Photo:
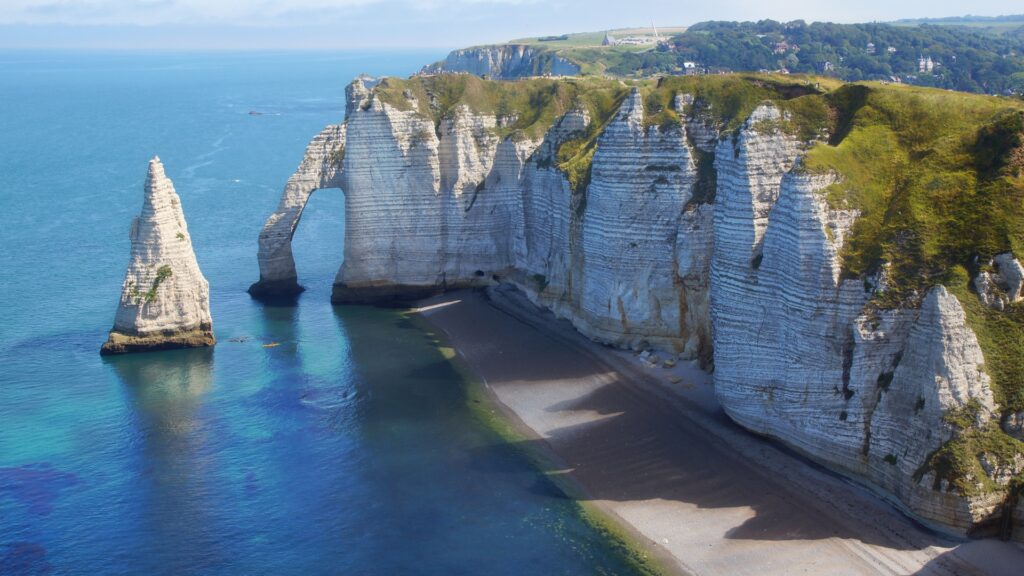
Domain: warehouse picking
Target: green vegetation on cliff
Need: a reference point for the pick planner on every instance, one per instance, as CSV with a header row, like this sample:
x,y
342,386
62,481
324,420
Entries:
x,y
929,171
525,108
528,107
162,273
1001,336
935,175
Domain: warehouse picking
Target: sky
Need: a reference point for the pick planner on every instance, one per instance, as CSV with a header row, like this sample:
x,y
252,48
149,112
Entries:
x,y
404,24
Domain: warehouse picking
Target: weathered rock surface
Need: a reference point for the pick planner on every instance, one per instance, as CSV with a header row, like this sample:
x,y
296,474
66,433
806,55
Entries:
x,y
320,168
1003,285
940,371
504,62
165,300
746,275
800,357
641,178
419,213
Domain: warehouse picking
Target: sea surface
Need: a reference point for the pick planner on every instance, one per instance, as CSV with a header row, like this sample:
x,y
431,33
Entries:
x,y
313,439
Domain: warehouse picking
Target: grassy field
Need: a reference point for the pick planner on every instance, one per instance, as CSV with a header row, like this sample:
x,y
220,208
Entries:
x,y
585,39
1005,25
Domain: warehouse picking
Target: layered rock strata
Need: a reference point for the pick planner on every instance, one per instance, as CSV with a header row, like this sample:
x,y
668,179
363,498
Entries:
x,y
320,168
504,62
165,300
438,206
742,270
642,177
800,357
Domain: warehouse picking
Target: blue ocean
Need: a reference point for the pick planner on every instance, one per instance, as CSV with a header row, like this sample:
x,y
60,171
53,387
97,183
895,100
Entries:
x,y
313,439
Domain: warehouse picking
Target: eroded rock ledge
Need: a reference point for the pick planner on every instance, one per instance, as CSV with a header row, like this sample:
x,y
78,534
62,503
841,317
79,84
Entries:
x,y
659,217
165,300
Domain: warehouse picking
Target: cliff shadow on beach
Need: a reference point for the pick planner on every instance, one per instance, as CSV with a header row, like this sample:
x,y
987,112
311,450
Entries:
x,y
614,439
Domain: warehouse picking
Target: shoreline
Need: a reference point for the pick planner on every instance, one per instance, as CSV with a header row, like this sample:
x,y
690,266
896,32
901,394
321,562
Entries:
x,y
699,495
628,542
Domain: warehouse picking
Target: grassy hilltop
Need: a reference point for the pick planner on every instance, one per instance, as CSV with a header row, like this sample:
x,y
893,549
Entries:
x,y
968,54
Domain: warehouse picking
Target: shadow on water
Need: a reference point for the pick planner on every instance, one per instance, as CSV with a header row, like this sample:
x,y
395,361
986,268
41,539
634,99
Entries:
x,y
279,330
172,460
424,387
278,300
24,558
470,486
398,364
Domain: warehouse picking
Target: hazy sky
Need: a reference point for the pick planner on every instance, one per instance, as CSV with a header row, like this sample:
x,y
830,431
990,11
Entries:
x,y
303,24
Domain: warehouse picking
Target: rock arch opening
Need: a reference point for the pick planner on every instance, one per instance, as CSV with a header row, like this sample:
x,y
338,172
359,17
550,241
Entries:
x,y
321,168
319,239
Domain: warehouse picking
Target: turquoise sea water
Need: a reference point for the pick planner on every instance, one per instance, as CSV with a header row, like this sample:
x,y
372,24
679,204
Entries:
x,y
345,449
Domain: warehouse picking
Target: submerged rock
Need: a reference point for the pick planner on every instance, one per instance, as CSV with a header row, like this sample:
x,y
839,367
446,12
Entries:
x,y
165,300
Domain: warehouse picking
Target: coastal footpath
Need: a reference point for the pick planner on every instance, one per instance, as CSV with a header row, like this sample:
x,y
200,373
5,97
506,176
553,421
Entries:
x,y
843,257
165,300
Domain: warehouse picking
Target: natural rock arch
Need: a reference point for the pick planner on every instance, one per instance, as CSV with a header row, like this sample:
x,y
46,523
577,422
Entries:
x,y
321,168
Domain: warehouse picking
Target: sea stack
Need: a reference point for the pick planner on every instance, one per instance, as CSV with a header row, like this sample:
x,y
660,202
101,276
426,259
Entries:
x,y
165,300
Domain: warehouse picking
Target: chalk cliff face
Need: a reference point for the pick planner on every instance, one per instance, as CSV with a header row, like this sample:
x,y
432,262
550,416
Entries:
x,y
642,177
799,357
718,246
504,62
319,169
419,214
165,300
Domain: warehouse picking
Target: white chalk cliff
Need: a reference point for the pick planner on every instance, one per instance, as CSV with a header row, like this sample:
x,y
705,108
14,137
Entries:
x,y
319,169
165,300
641,257
504,62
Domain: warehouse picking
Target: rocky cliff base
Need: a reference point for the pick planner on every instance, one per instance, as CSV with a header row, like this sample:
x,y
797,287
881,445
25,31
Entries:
x,y
119,343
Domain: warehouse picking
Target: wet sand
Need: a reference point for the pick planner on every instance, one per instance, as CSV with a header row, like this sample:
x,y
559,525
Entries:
x,y
651,447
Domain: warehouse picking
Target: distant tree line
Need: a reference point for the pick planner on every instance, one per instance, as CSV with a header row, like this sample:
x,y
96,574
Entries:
x,y
961,58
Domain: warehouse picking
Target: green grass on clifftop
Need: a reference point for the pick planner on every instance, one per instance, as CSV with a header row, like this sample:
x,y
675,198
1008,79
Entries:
x,y
936,176
532,104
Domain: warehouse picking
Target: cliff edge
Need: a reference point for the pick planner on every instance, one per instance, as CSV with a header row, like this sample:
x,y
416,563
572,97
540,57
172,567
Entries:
x,y
504,62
